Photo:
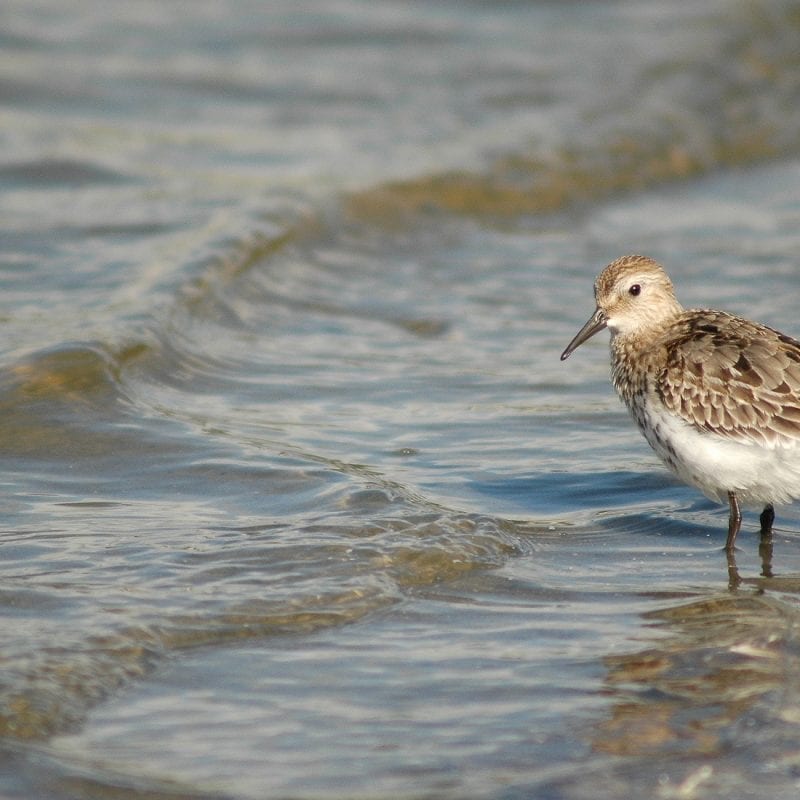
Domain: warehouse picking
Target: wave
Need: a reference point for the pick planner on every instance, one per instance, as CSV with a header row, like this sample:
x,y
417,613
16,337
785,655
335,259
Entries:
x,y
732,101
197,450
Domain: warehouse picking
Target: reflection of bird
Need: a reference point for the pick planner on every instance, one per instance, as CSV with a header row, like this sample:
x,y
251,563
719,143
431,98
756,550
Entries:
x,y
716,396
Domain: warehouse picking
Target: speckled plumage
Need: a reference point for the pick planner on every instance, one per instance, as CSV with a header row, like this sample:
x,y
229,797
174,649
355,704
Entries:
x,y
716,396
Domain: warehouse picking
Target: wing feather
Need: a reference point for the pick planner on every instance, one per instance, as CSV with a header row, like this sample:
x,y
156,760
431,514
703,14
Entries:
x,y
736,378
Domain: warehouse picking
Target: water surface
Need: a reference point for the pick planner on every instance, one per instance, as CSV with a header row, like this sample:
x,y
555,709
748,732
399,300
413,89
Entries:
x,y
299,499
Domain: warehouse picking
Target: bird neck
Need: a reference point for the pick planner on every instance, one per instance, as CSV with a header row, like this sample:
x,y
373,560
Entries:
x,y
635,356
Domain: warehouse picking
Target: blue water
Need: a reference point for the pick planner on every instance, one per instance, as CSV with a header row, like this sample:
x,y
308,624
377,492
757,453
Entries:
x,y
299,500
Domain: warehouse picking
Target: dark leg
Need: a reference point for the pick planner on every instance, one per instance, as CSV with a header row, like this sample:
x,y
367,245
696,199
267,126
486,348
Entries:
x,y
765,544
734,581
765,551
767,518
734,522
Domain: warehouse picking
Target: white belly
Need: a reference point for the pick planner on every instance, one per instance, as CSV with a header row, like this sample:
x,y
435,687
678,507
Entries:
x,y
717,464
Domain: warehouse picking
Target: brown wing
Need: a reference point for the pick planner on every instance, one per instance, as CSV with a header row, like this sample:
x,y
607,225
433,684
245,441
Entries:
x,y
733,377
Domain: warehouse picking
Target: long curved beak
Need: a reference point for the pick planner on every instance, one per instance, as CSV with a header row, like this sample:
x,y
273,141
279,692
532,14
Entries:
x,y
595,324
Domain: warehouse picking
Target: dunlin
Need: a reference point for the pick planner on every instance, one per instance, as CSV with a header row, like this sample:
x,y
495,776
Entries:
x,y
716,396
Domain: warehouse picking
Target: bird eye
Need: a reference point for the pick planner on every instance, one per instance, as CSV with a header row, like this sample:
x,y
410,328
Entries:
x,y
635,290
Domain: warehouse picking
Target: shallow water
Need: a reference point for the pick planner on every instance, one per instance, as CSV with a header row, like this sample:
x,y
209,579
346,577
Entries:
x,y
299,499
